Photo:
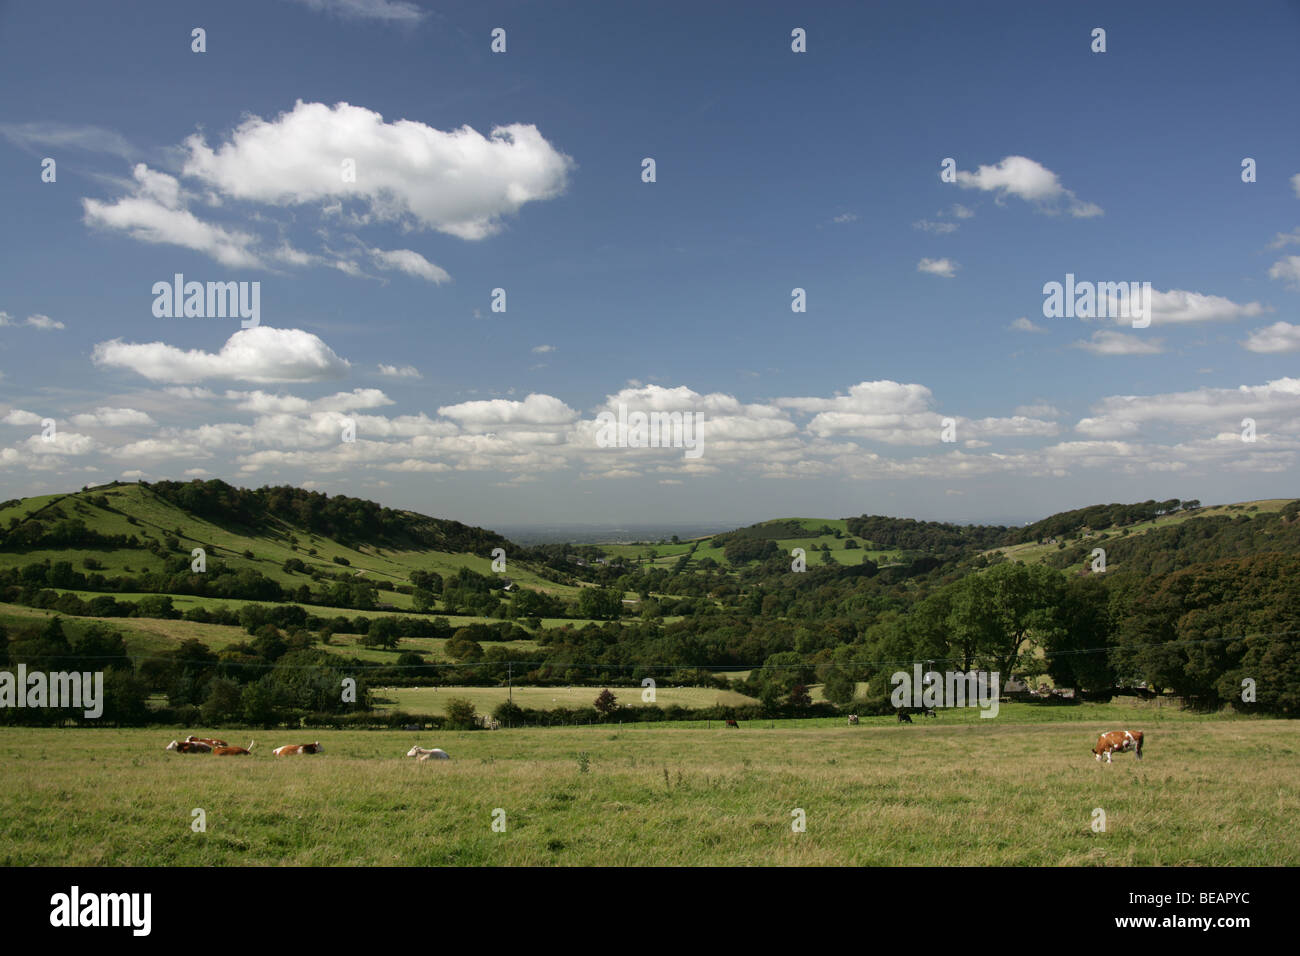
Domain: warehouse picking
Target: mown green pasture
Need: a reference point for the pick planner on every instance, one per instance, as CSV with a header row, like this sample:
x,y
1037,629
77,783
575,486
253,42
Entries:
x,y
1220,792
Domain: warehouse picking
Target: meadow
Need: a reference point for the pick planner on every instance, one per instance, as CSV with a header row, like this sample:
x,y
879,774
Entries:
x,y
433,700
1211,791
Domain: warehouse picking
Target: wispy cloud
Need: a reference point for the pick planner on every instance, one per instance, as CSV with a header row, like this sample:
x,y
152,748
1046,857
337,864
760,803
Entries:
x,y
1117,343
37,321
1023,324
42,135
412,263
398,11
392,371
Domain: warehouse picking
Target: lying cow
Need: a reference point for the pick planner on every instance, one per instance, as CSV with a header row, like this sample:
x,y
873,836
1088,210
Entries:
x,y
905,713
432,754
210,741
1118,741
289,750
853,720
189,747
234,751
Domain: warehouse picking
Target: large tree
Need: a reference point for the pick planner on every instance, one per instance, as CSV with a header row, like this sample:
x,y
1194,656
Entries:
x,y
1078,650
998,611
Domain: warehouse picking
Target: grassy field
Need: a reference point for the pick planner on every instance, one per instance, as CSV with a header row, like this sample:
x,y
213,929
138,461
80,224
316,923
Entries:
x,y
146,636
433,700
1210,792
667,555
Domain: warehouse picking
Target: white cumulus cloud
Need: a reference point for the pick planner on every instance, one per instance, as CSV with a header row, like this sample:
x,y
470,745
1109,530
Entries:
x,y
1026,179
1278,337
155,213
459,182
938,267
260,354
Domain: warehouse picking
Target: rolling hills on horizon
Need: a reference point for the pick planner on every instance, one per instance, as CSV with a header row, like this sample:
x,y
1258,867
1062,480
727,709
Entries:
x,y
282,510
204,579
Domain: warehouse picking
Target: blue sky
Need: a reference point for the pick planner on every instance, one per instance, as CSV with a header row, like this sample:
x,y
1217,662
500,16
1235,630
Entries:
x,y
775,170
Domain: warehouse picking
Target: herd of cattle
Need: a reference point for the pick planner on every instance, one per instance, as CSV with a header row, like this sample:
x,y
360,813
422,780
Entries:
x,y
219,748
1108,744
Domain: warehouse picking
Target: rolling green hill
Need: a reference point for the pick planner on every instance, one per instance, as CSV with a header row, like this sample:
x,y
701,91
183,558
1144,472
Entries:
x,y
241,537
1061,548
345,582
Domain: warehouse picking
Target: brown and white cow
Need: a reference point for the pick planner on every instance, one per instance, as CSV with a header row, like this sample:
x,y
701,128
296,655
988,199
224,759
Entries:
x,y
234,751
1118,741
291,749
188,747
210,741
853,720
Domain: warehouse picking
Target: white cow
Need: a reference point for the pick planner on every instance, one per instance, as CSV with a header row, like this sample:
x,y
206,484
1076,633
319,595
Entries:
x,y
422,754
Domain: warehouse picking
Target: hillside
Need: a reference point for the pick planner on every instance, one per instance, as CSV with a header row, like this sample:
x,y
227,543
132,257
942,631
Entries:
x,y
294,582
1164,541
140,528
1060,540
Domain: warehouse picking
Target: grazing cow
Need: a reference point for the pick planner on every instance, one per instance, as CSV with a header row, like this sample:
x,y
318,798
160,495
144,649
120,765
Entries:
x,y
1118,741
431,754
732,723
234,751
903,716
210,741
290,749
188,747
853,720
